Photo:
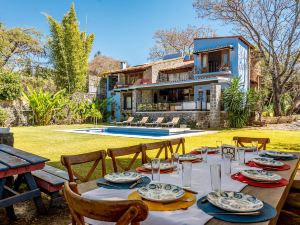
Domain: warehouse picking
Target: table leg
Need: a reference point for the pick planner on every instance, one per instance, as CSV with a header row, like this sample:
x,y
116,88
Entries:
x,y
10,209
32,186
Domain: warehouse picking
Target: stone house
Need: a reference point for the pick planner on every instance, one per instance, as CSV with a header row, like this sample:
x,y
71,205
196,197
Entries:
x,y
189,87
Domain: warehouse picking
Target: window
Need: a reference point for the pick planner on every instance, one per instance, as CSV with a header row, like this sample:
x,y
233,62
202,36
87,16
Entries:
x,y
225,58
127,101
207,96
204,60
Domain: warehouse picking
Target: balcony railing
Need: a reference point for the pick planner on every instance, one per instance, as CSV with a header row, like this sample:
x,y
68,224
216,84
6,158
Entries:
x,y
178,106
174,78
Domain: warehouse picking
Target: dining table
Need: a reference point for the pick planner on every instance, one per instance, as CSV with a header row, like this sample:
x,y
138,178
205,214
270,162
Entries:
x,y
16,167
201,183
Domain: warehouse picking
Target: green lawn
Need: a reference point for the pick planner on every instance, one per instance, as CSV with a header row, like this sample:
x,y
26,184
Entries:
x,y
48,142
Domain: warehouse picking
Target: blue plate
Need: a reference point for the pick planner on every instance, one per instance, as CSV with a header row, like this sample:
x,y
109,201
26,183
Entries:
x,y
278,158
146,180
267,212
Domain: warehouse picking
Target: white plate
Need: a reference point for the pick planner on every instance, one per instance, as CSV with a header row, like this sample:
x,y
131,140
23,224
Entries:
x,y
235,201
261,175
187,157
209,149
163,166
267,162
124,177
160,192
279,154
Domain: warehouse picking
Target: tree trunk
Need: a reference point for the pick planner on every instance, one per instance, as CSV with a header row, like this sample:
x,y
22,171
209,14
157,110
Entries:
x,y
276,96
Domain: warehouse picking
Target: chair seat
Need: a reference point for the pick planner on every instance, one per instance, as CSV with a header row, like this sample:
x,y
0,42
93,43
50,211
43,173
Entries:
x,y
293,200
87,186
296,183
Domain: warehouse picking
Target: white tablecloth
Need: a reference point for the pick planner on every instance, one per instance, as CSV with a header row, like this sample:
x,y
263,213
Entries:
x,y
200,183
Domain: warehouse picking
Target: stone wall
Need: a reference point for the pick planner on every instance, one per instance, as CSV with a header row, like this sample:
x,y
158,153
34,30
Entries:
x,y
193,119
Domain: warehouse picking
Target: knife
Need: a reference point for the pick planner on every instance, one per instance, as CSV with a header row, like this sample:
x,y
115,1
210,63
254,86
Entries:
x,y
189,190
106,184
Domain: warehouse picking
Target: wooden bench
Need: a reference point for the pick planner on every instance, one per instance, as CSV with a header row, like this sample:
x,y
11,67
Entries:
x,y
51,180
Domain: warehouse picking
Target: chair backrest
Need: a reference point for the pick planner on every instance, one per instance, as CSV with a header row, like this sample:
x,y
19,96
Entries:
x,y
262,142
144,119
115,152
70,160
175,145
122,212
130,119
160,147
160,120
175,120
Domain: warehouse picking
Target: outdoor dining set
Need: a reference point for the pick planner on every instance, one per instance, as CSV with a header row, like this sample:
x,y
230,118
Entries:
x,y
227,183
160,183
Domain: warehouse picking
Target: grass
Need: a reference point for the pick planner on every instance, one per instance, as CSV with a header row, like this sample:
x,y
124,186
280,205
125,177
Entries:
x,y
48,142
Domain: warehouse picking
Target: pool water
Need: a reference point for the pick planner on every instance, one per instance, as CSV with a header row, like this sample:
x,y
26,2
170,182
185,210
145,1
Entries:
x,y
141,132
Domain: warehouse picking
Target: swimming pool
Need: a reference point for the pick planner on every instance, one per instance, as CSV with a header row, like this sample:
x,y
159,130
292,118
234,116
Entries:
x,y
140,132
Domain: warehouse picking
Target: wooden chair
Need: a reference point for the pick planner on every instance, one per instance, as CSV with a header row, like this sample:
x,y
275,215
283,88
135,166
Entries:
x,y
122,212
161,146
262,142
70,160
135,150
174,145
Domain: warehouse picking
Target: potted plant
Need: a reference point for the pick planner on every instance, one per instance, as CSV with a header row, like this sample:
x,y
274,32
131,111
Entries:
x,y
3,120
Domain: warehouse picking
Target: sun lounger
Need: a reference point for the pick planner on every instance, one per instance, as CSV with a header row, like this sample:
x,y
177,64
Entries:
x,y
143,121
157,123
174,122
126,122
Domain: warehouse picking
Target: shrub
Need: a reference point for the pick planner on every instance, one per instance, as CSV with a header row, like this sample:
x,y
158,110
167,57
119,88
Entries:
x,y
238,103
44,105
10,85
3,117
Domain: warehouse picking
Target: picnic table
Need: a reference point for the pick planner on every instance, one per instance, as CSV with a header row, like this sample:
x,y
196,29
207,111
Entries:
x,y
201,183
17,163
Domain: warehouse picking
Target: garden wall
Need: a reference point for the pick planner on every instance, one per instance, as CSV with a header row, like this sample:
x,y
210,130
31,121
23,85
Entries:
x,y
280,119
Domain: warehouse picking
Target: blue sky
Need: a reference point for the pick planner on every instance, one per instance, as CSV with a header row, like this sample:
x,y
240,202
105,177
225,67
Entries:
x,y
123,28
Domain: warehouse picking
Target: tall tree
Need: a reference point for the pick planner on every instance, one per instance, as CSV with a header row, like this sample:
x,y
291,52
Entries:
x,y
274,27
175,40
18,46
69,52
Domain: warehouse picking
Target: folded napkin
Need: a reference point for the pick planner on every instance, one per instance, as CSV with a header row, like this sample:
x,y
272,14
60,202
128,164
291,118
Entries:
x,y
243,179
142,169
279,158
269,168
146,180
266,213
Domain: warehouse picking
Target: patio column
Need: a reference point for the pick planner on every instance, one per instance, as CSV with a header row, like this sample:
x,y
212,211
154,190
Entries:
x,y
136,99
215,106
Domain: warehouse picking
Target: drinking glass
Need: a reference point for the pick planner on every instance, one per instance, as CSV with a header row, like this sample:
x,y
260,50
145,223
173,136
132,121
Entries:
x,y
241,155
215,176
227,164
187,174
219,144
255,145
155,166
175,162
203,152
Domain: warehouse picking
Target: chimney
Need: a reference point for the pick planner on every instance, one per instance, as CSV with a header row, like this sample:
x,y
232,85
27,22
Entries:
x,y
123,65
